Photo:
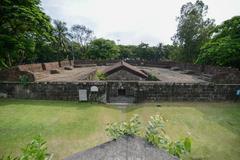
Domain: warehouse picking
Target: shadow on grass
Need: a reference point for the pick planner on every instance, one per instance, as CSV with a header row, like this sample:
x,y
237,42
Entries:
x,y
227,115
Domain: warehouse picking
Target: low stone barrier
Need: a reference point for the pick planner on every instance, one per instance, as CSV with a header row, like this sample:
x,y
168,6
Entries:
x,y
37,67
140,91
51,65
14,74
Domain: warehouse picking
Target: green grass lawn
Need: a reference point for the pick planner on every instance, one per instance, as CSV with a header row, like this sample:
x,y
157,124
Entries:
x,y
70,127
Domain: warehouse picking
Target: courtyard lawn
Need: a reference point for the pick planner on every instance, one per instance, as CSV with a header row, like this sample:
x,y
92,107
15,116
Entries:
x,y
70,127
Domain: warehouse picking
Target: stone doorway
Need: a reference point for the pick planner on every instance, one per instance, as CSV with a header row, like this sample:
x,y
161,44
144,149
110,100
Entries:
x,y
121,92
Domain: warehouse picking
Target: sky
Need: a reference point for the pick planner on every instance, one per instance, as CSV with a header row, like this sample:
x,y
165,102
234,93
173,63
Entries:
x,y
133,21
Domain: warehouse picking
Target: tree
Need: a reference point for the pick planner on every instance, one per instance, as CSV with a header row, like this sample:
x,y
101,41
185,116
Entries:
x,y
159,52
193,30
21,23
224,47
82,35
61,37
126,51
103,49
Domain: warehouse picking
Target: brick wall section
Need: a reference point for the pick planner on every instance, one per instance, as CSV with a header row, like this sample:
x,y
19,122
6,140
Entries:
x,y
141,91
65,63
51,65
14,73
31,67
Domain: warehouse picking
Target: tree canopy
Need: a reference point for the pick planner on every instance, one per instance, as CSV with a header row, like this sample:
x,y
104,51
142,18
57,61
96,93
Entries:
x,y
223,48
192,31
103,49
21,24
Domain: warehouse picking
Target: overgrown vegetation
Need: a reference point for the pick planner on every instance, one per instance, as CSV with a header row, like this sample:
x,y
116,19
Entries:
x,y
118,129
100,75
223,48
154,133
35,150
23,79
151,77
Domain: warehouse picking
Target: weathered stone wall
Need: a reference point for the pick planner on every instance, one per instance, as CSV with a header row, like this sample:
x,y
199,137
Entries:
x,y
51,65
37,67
141,91
14,74
225,74
186,92
52,91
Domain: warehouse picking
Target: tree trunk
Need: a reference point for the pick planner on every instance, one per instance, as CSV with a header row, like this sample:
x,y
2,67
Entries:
x,y
9,60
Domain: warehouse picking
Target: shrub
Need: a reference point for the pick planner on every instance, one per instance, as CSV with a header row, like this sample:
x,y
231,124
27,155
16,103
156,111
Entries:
x,y
100,75
23,79
154,134
35,150
152,78
118,129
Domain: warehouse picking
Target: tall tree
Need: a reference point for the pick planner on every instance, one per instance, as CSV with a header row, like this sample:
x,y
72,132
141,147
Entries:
x,y
61,38
82,35
224,47
193,30
103,49
21,24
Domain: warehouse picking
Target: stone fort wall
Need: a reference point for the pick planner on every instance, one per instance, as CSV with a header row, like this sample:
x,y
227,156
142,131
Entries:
x,y
140,91
215,73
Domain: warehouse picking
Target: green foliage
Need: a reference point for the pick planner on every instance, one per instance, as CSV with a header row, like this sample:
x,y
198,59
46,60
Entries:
x,y
192,31
9,157
118,129
224,47
23,79
100,75
180,147
154,134
36,150
151,77
61,37
22,23
103,49
82,35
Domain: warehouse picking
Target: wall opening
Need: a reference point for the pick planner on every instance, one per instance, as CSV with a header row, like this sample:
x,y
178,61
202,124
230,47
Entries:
x,y
121,92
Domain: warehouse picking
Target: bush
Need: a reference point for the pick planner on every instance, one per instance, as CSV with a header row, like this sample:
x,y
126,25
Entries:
x,y
23,79
154,134
36,150
101,76
152,78
118,129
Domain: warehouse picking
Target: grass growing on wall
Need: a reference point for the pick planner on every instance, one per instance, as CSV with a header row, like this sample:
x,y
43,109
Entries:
x,y
70,127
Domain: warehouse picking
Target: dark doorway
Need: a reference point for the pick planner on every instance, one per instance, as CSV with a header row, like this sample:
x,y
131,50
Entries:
x,y
121,92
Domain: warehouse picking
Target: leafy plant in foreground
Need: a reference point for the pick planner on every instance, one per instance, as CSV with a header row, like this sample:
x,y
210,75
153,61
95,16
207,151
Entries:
x,y
118,129
35,150
154,134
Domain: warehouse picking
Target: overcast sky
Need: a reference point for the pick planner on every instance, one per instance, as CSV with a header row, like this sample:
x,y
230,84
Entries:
x,y
133,21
